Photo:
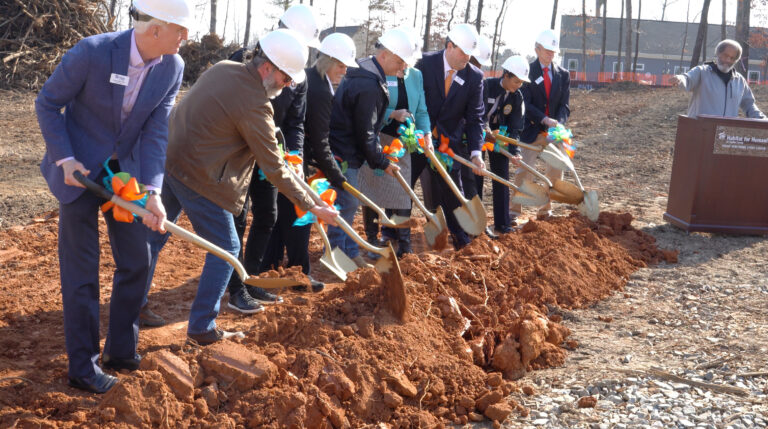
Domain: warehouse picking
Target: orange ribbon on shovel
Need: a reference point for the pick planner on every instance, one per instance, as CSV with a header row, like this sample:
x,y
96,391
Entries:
x,y
128,191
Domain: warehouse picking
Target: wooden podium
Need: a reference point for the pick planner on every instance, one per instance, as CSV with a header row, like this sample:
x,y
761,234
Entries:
x,y
720,176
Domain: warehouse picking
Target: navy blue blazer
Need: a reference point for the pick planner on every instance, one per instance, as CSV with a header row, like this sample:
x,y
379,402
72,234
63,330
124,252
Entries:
x,y
78,110
536,99
461,112
509,113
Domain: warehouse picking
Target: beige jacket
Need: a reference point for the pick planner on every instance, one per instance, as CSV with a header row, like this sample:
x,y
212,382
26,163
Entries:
x,y
219,130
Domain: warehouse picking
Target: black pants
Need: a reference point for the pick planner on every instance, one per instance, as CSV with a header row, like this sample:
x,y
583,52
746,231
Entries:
x,y
500,166
441,191
287,238
262,200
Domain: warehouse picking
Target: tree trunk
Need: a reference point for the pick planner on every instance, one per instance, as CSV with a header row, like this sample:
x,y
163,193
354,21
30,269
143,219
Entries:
x,y
742,34
501,32
628,56
605,32
621,38
637,35
247,24
226,20
335,9
685,34
700,35
584,38
496,35
212,28
415,12
427,23
723,34
469,7
112,7
479,22
453,9
554,15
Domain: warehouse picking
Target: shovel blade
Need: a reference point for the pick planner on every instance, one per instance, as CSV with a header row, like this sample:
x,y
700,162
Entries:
x,y
396,221
553,159
566,192
328,262
590,207
436,230
393,283
471,216
344,262
539,195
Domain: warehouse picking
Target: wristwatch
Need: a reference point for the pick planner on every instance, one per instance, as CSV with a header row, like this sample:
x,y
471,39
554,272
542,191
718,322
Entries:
x,y
153,192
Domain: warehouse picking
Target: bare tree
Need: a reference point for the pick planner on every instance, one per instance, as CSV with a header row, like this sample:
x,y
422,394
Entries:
x,y
212,28
685,34
621,38
453,9
496,35
469,7
664,7
335,9
584,38
637,35
112,7
701,35
605,32
723,36
247,23
742,34
427,22
226,20
498,45
479,22
628,56
554,15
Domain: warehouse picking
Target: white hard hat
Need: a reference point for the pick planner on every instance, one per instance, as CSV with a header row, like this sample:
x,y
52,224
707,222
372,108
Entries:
x,y
286,49
400,42
464,36
483,51
301,19
548,40
175,11
341,47
518,66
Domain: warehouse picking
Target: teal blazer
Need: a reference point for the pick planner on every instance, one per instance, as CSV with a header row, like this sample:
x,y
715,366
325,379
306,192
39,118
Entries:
x,y
414,88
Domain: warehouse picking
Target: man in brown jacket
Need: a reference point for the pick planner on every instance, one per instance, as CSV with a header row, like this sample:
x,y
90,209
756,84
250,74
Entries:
x,y
216,133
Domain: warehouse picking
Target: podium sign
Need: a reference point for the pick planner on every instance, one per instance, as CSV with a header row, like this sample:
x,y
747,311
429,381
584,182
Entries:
x,y
719,177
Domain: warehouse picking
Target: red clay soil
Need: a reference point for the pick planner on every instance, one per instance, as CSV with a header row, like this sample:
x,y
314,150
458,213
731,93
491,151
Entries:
x,y
478,319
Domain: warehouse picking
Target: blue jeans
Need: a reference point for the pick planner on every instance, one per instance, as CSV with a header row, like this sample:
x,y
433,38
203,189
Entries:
x,y
212,223
348,207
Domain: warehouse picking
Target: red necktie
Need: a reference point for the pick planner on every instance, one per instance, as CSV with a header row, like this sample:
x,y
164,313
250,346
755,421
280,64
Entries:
x,y
547,87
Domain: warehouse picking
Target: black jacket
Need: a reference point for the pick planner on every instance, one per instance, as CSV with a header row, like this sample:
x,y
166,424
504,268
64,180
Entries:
x,y
317,151
509,112
356,115
536,99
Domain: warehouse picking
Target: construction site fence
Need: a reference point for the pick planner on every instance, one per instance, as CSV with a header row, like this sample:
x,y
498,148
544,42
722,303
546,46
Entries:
x,y
581,79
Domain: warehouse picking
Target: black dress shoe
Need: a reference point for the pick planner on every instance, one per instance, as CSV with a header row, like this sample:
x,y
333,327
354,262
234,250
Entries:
x,y
207,338
506,229
489,232
263,296
150,319
315,285
121,363
99,383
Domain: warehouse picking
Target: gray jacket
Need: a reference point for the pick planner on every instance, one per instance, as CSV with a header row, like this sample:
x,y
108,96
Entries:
x,y
712,97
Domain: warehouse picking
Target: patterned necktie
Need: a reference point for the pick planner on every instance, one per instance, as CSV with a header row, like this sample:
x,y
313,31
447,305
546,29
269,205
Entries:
x,y
547,86
448,81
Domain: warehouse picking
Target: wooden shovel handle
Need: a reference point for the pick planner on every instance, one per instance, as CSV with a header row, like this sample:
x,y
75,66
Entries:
x,y
413,196
439,167
510,140
490,174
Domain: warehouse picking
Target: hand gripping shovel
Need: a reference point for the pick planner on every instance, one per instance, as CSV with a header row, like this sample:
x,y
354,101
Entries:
x,y
386,265
266,283
471,214
335,260
435,230
395,222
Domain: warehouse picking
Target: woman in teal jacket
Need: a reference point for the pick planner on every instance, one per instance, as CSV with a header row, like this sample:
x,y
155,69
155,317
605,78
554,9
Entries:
x,y
406,100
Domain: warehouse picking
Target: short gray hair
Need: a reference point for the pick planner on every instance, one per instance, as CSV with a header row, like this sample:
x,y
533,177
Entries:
x,y
141,27
728,43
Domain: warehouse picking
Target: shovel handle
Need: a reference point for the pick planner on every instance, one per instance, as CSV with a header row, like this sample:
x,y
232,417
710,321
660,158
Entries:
x,y
169,226
446,177
368,202
530,169
413,196
515,142
490,174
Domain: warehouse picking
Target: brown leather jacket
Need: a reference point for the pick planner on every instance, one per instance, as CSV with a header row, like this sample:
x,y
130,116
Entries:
x,y
219,129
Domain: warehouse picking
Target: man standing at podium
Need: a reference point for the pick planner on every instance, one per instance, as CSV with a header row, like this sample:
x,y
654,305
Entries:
x,y
716,86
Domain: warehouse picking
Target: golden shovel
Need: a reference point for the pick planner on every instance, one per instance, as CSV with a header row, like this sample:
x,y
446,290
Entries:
x,y
335,260
395,222
436,229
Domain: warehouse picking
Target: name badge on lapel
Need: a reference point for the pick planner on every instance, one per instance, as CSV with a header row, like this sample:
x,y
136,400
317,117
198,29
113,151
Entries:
x,y
458,80
491,100
540,80
391,83
118,79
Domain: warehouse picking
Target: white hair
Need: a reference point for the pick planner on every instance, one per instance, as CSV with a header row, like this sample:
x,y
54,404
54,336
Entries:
x,y
728,43
141,27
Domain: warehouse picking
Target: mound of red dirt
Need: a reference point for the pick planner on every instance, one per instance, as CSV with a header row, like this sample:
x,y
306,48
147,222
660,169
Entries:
x,y
478,319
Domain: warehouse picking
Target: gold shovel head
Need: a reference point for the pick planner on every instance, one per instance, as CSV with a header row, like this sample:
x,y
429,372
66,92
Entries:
x,y
344,262
553,158
590,207
566,192
537,195
471,216
396,221
392,279
329,262
436,231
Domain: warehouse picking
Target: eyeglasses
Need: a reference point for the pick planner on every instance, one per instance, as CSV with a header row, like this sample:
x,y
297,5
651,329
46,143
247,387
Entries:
x,y
287,80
